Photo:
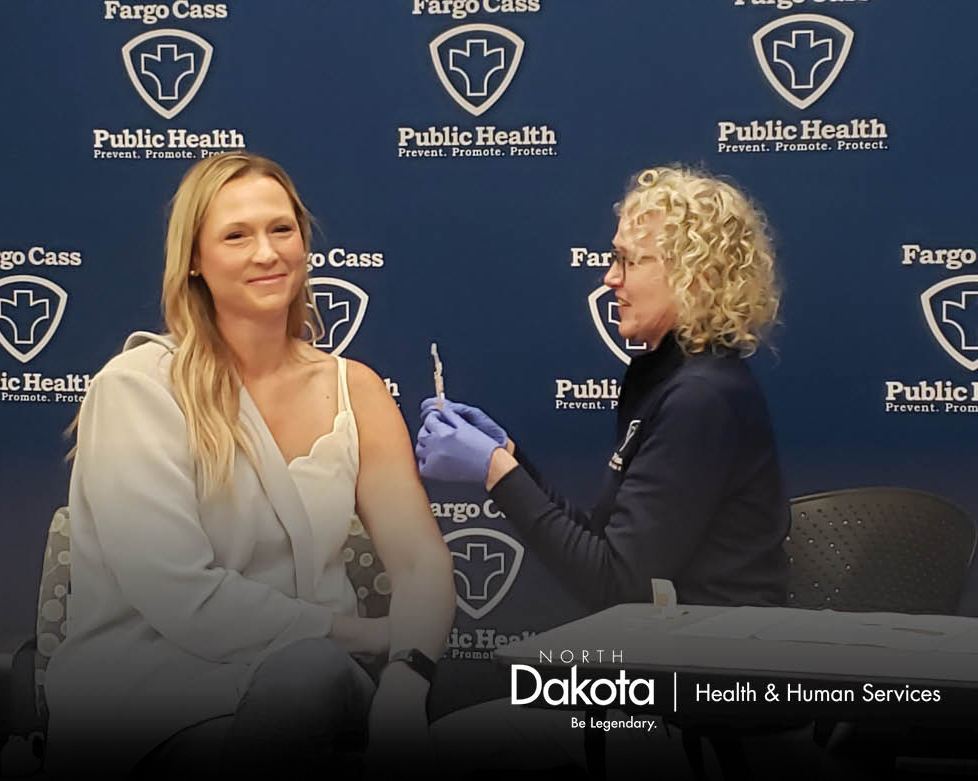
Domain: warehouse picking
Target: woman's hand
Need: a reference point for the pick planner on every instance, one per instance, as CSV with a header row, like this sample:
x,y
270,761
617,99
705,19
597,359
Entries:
x,y
362,635
469,414
450,448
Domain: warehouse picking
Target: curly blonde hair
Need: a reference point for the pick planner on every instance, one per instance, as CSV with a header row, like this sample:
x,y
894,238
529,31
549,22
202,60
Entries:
x,y
717,253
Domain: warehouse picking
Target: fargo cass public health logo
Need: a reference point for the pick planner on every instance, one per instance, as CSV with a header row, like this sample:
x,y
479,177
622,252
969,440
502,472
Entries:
x,y
167,68
486,565
342,306
604,310
951,311
801,56
31,309
476,63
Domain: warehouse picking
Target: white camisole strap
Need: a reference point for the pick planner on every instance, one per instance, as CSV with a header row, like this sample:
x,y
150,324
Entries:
x,y
344,391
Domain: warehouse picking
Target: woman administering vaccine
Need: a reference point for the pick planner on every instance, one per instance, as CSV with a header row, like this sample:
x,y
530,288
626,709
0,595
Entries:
x,y
693,492
218,470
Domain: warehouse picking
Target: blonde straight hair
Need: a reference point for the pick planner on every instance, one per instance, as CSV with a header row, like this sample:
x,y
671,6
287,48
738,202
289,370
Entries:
x,y
205,379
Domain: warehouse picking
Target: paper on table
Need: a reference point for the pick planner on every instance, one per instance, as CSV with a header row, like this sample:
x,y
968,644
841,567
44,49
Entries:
x,y
888,630
885,630
963,643
648,614
739,623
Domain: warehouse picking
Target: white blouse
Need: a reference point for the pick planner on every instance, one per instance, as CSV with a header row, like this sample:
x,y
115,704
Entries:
x,y
176,598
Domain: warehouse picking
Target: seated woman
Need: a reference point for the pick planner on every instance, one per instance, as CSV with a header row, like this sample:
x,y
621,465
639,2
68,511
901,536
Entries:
x,y
693,492
217,473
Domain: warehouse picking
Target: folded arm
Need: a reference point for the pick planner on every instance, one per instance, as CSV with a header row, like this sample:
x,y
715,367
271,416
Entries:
x,y
135,475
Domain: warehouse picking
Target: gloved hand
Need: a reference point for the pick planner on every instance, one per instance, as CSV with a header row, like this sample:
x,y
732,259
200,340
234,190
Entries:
x,y
450,448
472,415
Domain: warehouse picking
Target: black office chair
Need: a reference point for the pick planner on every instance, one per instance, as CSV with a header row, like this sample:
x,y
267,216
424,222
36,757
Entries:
x,y
864,549
878,549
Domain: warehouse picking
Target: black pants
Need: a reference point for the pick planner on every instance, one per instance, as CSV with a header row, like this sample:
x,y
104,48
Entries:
x,y
304,715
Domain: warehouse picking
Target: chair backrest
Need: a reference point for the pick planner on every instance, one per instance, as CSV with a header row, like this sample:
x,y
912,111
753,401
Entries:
x,y
366,572
52,601
878,549
363,566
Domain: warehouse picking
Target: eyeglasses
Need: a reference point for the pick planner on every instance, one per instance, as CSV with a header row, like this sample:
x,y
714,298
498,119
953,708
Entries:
x,y
625,262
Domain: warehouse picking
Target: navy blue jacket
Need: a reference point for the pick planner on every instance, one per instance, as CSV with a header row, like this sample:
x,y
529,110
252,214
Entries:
x,y
693,493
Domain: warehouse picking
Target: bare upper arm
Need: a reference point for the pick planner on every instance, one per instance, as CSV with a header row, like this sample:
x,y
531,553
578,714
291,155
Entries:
x,y
390,498
382,431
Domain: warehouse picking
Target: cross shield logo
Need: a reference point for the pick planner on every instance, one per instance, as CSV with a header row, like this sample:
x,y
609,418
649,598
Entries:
x,y
31,309
476,63
486,565
167,68
951,312
341,305
802,55
604,313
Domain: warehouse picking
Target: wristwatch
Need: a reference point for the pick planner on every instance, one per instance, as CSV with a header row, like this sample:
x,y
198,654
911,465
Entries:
x,y
417,661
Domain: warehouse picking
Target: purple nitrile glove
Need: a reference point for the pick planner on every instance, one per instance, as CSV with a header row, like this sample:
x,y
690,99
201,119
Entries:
x,y
449,448
472,415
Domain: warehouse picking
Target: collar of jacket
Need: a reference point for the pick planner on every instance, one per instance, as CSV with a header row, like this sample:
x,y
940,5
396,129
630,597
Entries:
x,y
644,373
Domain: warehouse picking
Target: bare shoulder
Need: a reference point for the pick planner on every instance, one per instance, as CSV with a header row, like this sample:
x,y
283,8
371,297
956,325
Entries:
x,y
317,363
372,403
365,384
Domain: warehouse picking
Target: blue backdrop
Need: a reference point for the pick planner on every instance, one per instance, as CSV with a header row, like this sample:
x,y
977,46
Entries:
x,y
462,158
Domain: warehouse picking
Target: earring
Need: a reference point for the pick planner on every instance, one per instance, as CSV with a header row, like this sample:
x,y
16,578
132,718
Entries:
x,y
194,272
